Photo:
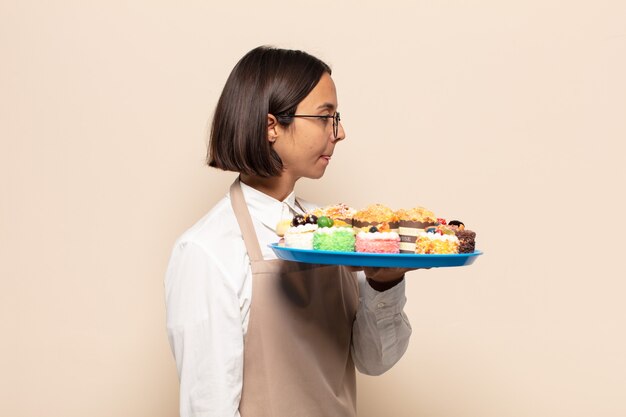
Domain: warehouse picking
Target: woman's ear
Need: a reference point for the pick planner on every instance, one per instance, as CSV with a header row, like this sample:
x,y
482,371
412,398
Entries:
x,y
272,128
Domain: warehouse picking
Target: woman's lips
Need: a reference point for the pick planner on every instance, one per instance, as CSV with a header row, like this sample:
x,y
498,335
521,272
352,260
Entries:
x,y
326,157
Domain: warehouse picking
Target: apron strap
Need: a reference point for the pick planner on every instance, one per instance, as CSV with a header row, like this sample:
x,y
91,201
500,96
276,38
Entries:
x,y
245,222
300,206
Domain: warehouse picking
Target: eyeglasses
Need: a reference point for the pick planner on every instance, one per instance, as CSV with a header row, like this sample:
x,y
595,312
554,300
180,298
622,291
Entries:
x,y
336,119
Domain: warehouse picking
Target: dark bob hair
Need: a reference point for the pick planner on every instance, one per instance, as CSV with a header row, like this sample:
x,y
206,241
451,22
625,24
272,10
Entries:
x,y
265,81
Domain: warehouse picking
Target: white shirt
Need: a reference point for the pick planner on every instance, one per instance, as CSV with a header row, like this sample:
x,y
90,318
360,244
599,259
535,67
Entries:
x,y
208,288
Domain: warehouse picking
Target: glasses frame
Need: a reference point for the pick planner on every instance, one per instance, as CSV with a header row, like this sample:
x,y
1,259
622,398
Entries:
x,y
336,119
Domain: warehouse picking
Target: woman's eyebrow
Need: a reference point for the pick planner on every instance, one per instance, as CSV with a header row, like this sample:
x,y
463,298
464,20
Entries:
x,y
328,106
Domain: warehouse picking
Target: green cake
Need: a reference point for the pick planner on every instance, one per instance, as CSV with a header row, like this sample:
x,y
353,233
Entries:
x,y
336,239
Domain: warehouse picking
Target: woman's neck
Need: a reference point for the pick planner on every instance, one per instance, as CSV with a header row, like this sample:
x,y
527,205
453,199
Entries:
x,y
276,187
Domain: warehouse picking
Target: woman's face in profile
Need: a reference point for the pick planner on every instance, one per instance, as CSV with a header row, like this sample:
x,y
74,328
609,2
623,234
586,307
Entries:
x,y
306,146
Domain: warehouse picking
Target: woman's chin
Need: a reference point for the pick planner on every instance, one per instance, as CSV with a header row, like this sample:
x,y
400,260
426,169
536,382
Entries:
x,y
316,174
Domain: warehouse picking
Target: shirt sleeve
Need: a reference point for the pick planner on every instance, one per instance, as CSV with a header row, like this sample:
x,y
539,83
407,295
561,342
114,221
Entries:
x,y
205,333
381,330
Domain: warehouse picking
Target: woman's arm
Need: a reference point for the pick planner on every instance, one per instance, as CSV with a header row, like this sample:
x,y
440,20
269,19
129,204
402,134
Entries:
x,y
205,333
381,330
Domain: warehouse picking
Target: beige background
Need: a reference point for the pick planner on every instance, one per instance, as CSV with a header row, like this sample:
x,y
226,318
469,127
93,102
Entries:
x,y
508,115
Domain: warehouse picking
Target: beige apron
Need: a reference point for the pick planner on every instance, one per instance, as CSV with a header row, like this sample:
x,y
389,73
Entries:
x,y
297,360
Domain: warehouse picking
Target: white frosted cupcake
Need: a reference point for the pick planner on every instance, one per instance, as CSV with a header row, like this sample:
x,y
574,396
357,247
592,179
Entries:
x,y
301,236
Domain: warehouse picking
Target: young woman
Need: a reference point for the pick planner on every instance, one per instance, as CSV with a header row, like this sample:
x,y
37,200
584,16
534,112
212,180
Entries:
x,y
253,335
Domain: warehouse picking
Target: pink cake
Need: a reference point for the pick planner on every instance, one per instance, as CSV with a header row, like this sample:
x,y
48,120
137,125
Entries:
x,y
378,242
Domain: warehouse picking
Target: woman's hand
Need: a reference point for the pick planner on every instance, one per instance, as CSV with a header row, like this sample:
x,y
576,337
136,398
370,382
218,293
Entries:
x,y
385,274
382,279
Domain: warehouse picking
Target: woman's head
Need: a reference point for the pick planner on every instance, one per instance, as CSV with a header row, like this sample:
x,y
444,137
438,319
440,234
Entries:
x,y
253,132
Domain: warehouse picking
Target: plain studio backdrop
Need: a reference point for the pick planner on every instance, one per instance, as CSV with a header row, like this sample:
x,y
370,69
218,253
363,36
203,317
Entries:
x,y
508,115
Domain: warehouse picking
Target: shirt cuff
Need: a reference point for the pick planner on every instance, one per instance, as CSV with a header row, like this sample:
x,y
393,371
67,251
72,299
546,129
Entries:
x,y
387,303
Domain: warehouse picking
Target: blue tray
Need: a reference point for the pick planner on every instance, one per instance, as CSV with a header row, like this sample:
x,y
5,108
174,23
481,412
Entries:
x,y
388,260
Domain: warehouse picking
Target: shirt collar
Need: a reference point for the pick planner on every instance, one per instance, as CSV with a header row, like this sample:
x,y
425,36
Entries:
x,y
267,209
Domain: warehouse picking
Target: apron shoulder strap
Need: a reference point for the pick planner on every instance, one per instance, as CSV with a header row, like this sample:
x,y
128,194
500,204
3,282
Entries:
x,y
300,206
245,222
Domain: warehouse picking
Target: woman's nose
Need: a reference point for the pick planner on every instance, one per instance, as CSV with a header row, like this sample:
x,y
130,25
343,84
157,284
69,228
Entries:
x,y
341,134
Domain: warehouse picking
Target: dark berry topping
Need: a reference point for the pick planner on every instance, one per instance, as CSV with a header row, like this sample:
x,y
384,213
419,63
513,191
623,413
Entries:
x,y
311,218
298,220
373,229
